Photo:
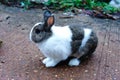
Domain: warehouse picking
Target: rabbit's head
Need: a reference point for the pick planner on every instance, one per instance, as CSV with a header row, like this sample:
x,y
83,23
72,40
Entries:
x,y
42,30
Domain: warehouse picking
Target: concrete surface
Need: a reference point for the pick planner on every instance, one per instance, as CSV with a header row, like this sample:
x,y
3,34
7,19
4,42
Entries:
x,y
21,60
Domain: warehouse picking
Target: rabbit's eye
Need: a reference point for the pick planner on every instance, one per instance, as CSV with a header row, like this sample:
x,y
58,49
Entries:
x,y
37,31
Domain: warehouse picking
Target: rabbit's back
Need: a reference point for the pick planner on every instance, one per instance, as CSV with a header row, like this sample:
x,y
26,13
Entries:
x,y
84,41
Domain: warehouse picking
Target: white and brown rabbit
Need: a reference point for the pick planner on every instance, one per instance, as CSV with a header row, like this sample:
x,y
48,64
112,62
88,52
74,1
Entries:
x,y
57,43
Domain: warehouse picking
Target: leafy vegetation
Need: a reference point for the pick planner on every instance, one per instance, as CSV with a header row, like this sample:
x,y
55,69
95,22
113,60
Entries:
x,y
25,3
60,4
86,4
70,4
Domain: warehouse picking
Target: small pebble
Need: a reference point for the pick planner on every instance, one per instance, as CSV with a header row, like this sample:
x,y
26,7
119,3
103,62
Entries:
x,y
41,58
27,72
23,28
114,78
19,25
86,71
35,71
106,44
7,17
3,62
109,51
94,74
116,70
1,43
56,75
106,65
36,55
71,79
41,67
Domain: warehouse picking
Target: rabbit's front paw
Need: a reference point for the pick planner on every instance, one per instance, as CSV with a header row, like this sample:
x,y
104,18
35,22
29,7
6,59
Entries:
x,y
46,60
74,62
51,63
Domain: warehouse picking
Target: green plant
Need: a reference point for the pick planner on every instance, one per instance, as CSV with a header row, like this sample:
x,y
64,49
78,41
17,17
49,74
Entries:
x,y
87,4
110,9
105,7
25,3
63,4
70,4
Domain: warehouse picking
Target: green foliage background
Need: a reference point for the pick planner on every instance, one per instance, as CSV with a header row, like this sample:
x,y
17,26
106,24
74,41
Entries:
x,y
86,4
71,4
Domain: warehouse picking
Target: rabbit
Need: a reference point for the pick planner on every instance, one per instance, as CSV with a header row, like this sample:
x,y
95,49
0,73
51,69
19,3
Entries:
x,y
58,43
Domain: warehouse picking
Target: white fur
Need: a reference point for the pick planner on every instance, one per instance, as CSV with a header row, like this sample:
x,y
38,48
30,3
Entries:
x,y
74,62
114,4
30,36
87,33
57,47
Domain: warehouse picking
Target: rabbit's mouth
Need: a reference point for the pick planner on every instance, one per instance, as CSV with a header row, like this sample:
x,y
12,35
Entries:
x,y
37,38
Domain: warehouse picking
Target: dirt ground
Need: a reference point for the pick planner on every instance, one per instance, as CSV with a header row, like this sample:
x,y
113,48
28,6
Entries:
x,y
21,60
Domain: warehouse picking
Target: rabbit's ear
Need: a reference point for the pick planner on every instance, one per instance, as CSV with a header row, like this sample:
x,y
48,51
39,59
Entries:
x,y
46,15
50,21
